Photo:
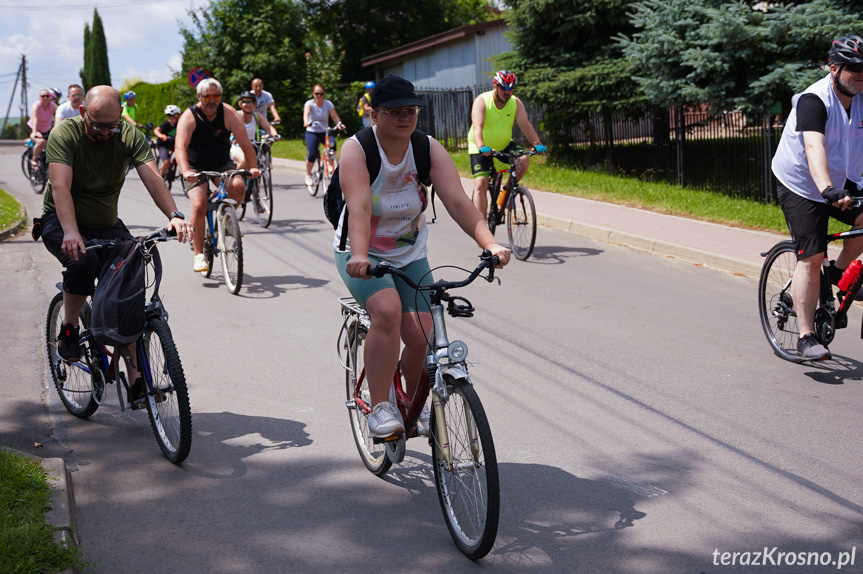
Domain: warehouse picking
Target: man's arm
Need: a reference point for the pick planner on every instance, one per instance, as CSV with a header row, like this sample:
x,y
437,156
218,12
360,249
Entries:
x,y
816,157
477,118
275,112
525,125
185,127
164,201
61,185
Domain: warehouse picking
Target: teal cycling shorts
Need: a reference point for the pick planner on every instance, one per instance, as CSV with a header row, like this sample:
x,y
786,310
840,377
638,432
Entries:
x,y
362,289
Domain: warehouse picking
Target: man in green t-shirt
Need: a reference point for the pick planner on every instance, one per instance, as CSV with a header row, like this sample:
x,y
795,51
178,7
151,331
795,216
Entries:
x,y
87,160
130,109
492,117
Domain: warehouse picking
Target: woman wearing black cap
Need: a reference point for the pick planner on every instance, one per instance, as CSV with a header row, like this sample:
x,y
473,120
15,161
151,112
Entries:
x,y
386,222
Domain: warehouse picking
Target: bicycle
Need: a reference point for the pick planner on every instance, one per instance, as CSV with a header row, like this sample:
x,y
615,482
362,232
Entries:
x,y
222,235
37,178
516,201
776,306
260,191
322,175
82,384
464,460
171,174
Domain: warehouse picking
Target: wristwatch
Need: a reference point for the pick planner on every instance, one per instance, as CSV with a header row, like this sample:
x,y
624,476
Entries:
x,y
178,215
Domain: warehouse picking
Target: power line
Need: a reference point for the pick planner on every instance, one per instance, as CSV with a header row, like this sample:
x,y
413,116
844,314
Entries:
x,y
55,8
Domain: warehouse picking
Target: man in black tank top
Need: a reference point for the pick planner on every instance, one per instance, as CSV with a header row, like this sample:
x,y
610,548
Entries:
x,y
203,143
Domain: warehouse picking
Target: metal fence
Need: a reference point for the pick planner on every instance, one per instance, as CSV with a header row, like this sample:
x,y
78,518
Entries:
x,y
723,151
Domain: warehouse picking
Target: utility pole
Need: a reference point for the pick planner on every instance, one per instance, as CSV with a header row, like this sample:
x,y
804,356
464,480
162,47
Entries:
x,y
21,69
25,112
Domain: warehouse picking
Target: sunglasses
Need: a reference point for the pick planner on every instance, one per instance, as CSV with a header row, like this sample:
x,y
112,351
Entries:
x,y
854,68
214,97
44,96
402,112
99,128
319,93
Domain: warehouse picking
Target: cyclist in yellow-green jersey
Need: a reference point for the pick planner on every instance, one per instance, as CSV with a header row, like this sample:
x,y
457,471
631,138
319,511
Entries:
x,y
492,117
130,109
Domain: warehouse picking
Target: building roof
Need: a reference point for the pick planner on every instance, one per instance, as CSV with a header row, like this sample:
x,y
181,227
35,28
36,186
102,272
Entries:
x,y
431,41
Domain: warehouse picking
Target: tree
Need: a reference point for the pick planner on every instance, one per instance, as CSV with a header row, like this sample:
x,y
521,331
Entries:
x,y
742,54
564,56
100,71
360,28
239,40
86,71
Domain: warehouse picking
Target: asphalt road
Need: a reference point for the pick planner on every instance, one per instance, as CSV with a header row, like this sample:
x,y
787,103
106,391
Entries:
x,y
641,422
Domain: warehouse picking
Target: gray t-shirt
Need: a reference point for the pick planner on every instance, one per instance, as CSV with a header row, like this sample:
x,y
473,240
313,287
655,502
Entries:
x,y
319,116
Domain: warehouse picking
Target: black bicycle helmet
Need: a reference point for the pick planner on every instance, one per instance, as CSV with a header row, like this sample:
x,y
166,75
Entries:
x,y
846,50
248,95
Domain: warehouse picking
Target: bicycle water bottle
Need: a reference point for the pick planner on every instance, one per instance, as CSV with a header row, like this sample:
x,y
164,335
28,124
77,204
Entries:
x,y
501,197
850,275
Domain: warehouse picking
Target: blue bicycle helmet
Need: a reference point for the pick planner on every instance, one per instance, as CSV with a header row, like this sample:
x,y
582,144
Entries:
x,y
370,85
128,95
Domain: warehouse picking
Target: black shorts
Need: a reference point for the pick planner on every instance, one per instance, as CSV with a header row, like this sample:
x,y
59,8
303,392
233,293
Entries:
x,y
807,221
79,277
480,165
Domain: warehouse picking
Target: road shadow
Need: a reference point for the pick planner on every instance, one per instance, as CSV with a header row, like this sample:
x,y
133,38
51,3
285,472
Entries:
x,y
837,371
270,287
282,226
557,254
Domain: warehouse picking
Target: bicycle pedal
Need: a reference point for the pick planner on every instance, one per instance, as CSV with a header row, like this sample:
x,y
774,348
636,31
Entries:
x,y
387,439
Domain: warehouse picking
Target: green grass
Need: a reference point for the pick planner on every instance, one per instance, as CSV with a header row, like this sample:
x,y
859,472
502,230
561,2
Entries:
x,y
10,210
26,541
659,197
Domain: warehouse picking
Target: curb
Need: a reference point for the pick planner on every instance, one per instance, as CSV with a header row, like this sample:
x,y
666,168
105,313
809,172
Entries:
x,y
17,227
665,249
62,513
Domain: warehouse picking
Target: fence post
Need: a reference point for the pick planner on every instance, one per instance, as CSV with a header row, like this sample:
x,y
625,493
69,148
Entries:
x,y
680,141
768,148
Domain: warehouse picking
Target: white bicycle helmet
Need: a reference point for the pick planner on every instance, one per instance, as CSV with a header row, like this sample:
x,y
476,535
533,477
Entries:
x,y
172,110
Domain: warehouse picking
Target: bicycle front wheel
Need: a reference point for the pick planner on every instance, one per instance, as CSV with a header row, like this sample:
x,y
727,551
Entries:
x,y
73,381
231,249
316,179
208,248
521,223
249,195
168,398
775,305
373,455
264,199
26,157
465,470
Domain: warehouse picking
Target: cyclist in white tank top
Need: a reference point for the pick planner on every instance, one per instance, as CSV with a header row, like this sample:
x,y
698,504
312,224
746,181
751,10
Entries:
x,y
386,221
253,121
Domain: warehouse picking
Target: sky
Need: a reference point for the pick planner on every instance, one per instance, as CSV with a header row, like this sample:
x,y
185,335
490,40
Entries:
x,y
143,39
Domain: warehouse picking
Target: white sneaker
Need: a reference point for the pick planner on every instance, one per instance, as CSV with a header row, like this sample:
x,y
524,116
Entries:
x,y
425,418
201,264
385,421
310,180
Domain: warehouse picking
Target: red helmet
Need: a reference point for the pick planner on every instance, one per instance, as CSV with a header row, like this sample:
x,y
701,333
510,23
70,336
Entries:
x,y
505,80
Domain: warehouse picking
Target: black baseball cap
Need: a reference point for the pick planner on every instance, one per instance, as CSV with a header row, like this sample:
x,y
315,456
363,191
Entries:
x,y
395,92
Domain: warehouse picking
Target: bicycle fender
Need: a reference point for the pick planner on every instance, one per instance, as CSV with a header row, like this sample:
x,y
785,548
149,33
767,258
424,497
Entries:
x,y
454,370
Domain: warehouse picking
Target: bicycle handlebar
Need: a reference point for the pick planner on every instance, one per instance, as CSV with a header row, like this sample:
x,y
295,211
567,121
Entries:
x,y
488,261
209,175
509,156
158,236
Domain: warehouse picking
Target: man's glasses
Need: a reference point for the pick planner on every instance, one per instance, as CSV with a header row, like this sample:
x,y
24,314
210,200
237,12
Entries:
x,y
402,112
76,96
44,96
854,68
207,98
99,128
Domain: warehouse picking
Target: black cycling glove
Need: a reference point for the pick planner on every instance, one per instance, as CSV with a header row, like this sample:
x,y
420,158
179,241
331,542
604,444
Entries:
x,y
831,195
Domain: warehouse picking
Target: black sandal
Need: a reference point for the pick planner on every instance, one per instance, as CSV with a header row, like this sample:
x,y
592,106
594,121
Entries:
x,y
138,393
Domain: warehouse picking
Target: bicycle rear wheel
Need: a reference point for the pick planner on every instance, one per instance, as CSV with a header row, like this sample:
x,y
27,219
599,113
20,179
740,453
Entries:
x,y
468,487
73,381
168,400
263,197
373,455
521,223
775,305
231,248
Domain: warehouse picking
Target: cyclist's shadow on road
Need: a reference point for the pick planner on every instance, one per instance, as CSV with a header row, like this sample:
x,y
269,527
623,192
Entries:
x,y
557,254
285,225
270,287
222,441
836,371
544,509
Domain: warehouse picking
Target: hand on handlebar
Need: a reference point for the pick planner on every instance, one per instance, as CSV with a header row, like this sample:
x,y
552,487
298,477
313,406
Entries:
x,y
72,244
501,252
182,229
357,267
485,150
539,148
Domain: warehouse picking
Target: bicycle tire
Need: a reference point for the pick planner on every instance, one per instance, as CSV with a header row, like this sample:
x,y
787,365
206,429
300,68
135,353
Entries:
x,y
246,198
264,199
231,248
208,250
373,455
73,383
521,223
39,178
168,399
25,162
469,488
316,179
775,305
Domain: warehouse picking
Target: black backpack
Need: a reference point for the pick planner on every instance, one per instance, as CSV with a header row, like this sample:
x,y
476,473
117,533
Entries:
x,y
117,316
334,199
